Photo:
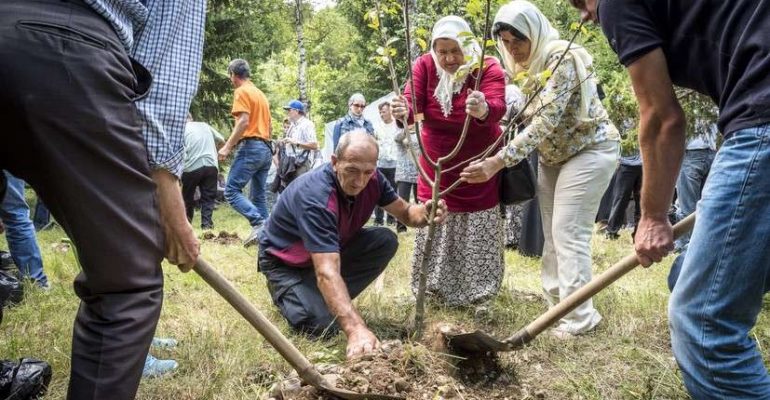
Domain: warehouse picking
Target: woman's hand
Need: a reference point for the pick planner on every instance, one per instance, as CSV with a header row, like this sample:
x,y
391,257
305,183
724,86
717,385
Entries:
x,y
482,171
476,105
399,107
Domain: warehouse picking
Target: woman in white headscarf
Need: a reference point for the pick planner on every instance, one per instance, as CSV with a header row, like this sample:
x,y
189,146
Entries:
x,y
467,262
578,148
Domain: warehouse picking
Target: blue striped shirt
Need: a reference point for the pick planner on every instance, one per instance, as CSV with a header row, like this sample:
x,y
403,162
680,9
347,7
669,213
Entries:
x,y
166,37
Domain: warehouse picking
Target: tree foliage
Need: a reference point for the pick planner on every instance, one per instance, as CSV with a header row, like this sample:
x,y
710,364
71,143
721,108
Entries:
x,y
345,54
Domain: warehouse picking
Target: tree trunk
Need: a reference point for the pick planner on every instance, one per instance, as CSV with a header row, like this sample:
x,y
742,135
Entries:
x,y
302,73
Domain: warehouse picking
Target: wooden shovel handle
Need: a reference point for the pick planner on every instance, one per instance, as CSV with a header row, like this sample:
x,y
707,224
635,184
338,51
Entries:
x,y
221,285
596,285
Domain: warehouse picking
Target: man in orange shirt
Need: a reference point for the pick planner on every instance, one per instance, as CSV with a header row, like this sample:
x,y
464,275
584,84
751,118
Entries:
x,y
251,135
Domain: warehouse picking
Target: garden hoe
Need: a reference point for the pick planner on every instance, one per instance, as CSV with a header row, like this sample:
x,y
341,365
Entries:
x,y
306,370
480,343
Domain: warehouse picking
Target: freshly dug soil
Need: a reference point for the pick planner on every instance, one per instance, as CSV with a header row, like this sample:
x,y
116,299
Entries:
x,y
223,237
413,371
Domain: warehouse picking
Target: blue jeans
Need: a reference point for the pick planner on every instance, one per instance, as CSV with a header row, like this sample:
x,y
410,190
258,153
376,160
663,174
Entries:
x,y
724,275
695,169
251,163
20,232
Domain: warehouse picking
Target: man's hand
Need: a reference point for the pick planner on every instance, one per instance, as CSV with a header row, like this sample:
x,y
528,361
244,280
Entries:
x,y
441,212
654,240
361,341
182,247
398,107
224,152
482,171
476,105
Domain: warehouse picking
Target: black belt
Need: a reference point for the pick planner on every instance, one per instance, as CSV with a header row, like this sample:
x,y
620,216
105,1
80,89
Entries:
x,y
255,138
268,143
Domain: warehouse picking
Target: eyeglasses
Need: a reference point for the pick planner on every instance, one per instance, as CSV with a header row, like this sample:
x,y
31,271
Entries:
x,y
359,105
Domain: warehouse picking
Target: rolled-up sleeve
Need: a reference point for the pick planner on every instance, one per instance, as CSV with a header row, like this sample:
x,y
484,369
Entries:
x,y
170,46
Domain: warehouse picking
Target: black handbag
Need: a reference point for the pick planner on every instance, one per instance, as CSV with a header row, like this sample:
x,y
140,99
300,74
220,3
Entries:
x,y
517,184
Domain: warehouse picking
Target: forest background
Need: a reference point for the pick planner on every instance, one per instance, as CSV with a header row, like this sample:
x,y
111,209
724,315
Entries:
x,y
341,55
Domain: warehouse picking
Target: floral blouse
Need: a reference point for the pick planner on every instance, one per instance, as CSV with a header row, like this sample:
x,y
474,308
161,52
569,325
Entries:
x,y
556,130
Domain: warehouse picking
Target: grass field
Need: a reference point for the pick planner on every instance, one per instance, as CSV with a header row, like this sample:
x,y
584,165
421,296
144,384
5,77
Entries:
x,y
222,357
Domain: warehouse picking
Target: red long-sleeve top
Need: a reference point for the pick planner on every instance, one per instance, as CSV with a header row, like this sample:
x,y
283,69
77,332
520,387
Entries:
x,y
440,134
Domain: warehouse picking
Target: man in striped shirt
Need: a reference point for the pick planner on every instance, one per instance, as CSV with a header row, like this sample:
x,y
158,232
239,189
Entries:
x,y
103,147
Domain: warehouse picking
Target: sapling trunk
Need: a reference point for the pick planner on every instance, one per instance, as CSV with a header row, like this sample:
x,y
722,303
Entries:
x,y
419,314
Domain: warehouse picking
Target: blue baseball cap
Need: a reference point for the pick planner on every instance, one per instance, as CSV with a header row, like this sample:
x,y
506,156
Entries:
x,y
295,105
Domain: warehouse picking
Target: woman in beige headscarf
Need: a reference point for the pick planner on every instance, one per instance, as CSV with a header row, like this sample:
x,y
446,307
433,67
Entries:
x,y
577,144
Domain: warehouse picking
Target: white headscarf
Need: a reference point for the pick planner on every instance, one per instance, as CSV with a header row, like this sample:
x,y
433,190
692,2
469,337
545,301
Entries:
x,y
531,22
450,27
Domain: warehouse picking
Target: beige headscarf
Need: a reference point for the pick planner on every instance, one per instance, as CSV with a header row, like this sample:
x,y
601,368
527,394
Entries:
x,y
451,27
531,22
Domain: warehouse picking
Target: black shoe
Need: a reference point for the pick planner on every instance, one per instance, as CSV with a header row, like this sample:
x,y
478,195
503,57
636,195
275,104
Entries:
x,y
207,227
611,235
401,229
377,223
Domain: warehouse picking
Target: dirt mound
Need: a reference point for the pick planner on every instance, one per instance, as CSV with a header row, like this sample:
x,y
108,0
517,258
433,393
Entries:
x,y
222,238
410,370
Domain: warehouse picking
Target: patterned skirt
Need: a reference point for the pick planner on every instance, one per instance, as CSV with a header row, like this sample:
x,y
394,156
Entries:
x,y
467,263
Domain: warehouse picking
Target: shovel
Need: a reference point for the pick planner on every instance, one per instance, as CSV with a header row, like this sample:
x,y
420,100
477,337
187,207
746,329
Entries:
x,y
479,342
306,370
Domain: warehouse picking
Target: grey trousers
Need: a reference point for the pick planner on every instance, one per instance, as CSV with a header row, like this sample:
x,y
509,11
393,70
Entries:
x,y
295,292
71,131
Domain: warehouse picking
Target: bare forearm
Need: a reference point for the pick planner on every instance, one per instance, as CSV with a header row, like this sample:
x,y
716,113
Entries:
x,y
337,298
181,246
662,146
237,133
308,146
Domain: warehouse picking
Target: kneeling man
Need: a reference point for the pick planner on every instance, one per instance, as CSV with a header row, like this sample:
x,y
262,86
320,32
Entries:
x,y
315,252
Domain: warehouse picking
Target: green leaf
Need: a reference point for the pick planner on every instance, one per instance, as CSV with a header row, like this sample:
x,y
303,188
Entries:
x,y
373,18
474,7
392,40
543,76
422,43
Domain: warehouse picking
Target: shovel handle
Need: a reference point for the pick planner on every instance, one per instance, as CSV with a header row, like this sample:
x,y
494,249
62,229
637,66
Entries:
x,y
580,296
221,285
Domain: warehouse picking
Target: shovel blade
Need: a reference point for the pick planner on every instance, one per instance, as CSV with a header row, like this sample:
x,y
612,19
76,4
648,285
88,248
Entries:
x,y
475,342
349,395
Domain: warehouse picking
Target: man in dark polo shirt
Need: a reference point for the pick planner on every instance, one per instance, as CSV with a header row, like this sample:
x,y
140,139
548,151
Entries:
x,y
314,250
721,49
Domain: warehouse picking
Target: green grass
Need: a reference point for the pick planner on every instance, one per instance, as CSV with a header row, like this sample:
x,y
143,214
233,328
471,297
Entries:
x,y
222,357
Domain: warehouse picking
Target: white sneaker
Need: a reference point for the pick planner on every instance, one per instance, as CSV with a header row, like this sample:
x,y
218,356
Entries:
x,y
253,236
